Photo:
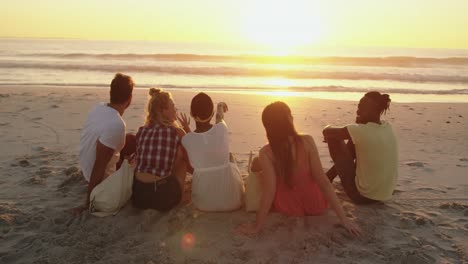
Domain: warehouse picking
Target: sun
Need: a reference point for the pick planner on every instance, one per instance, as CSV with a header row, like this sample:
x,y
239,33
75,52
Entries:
x,y
282,26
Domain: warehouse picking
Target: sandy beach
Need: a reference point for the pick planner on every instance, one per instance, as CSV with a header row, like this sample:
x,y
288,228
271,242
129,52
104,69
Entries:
x,y
425,222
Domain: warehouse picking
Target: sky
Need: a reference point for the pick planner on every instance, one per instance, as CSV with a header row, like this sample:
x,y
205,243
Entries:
x,y
279,24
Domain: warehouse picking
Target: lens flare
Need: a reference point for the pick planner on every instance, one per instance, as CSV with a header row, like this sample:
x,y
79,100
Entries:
x,y
188,241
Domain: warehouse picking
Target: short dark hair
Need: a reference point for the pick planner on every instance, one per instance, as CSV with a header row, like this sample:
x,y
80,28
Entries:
x,y
121,88
201,106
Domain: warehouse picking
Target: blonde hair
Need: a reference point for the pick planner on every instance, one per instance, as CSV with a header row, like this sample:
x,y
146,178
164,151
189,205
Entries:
x,y
157,102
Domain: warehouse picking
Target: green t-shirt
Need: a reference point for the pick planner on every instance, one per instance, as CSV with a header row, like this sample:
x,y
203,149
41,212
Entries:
x,y
376,158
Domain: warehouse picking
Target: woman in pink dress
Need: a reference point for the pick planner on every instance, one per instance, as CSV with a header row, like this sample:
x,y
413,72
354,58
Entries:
x,y
292,179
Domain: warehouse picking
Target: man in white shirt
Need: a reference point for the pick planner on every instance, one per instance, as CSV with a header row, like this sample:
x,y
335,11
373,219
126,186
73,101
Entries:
x,y
103,135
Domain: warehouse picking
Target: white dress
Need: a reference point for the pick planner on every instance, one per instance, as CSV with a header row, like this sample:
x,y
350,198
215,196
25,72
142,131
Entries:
x,y
217,184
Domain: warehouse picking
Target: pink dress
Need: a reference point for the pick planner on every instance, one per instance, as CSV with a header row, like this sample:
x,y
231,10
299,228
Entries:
x,y
305,196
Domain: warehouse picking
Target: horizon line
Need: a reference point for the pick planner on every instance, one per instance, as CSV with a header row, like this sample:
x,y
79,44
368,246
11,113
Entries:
x,y
224,43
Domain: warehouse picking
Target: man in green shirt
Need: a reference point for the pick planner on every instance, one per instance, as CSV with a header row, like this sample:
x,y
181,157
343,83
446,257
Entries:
x,y
368,164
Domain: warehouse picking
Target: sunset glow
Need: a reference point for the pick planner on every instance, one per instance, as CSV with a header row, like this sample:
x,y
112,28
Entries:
x,y
279,26
283,26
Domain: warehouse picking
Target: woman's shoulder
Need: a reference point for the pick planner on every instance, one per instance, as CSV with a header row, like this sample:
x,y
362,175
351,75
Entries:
x,y
266,151
306,138
307,141
141,128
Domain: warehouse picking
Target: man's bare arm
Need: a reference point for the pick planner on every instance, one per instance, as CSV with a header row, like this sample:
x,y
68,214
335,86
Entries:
x,y
335,133
103,156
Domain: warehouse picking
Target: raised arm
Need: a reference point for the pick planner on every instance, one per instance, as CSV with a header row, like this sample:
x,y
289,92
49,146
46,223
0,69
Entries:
x,y
268,185
220,110
326,187
182,155
184,121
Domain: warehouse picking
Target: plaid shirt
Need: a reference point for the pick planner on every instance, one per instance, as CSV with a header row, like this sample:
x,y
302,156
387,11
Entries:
x,y
156,149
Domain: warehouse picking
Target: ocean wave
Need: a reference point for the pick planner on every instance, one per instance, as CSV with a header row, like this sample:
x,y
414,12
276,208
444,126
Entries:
x,y
241,72
298,89
394,61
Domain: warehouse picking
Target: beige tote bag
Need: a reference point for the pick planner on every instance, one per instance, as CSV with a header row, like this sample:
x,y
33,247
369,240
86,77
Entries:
x,y
113,193
252,189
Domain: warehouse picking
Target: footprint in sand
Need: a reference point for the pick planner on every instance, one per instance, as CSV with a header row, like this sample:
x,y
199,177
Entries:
x,y
24,109
417,164
71,170
8,214
426,189
409,219
39,148
24,163
44,162
74,178
454,205
242,255
36,118
430,190
44,172
35,180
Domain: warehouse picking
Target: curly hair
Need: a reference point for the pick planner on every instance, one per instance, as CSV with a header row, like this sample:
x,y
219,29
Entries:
x,y
382,101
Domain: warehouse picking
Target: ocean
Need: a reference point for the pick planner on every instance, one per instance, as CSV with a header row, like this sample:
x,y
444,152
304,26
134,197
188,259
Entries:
x,y
408,75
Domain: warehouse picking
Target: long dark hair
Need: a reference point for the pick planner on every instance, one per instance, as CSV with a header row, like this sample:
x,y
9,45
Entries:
x,y
276,118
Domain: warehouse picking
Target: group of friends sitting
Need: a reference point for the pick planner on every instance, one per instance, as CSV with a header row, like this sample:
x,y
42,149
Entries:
x,y
288,170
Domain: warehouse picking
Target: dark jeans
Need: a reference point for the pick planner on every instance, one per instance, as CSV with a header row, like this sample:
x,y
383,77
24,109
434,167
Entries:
x,y
344,156
163,195
128,149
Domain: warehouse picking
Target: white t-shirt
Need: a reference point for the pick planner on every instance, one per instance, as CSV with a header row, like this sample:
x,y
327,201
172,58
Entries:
x,y
377,159
105,124
208,149
216,183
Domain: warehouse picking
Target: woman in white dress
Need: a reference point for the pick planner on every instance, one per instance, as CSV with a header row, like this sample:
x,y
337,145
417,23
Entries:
x,y
216,184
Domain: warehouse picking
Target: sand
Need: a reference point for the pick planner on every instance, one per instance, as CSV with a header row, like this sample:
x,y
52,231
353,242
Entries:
x,y
425,222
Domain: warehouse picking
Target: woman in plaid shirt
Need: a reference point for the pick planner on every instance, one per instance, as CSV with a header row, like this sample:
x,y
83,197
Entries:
x,y
160,168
